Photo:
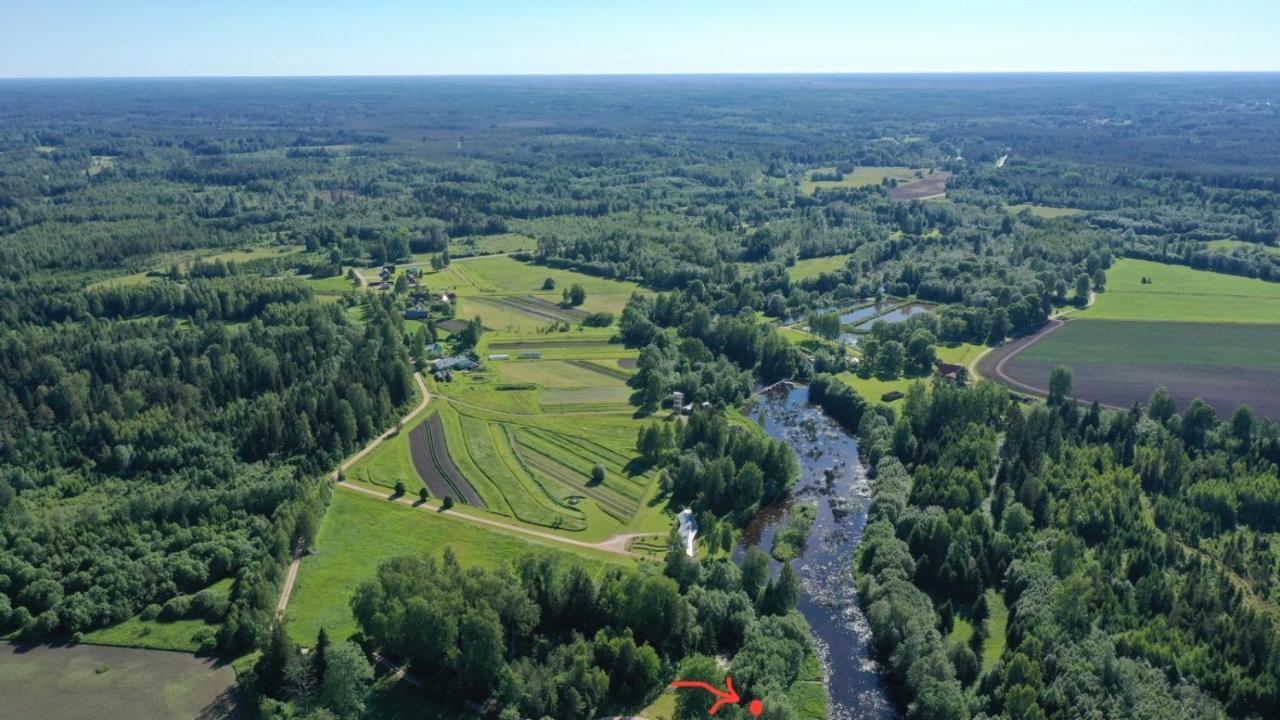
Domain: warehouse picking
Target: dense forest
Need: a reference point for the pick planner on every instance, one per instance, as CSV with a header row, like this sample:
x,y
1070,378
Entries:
x,y
1132,549
170,416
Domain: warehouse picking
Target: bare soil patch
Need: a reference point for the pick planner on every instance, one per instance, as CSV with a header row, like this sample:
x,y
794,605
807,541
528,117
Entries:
x,y
935,184
89,682
434,465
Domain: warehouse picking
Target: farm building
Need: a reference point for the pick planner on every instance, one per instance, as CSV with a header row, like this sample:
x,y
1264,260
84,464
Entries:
x,y
948,371
446,366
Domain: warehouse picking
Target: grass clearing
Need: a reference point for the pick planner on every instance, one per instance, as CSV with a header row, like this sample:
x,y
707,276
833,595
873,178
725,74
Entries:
x,y
860,177
813,267
872,388
157,634
1046,212
997,622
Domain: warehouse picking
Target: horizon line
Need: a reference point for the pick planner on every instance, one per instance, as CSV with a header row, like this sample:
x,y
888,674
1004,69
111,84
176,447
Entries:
x,y
673,74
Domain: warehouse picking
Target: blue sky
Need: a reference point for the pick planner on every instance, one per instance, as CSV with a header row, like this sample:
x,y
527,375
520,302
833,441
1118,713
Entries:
x,y
73,38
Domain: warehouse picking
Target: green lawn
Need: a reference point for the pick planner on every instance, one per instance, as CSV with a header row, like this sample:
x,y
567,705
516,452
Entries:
x,y
813,267
1179,293
360,532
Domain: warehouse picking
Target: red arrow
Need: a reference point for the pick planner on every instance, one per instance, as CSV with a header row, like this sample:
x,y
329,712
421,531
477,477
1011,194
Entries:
x,y
730,697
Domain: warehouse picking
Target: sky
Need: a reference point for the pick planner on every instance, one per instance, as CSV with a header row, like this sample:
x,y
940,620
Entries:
x,y
124,38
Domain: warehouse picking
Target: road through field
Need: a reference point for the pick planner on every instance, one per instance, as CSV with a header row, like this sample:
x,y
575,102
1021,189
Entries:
x,y
615,544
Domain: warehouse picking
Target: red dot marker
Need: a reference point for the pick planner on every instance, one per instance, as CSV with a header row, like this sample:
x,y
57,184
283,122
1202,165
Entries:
x,y
755,707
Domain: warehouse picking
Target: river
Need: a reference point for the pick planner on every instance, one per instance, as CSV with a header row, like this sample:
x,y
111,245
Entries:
x,y
832,477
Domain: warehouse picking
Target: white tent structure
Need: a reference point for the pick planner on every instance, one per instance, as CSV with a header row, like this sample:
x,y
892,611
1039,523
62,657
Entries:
x,y
688,529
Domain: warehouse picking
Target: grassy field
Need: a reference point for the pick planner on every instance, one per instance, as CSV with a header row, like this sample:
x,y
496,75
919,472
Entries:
x,y
1048,212
1229,245
813,267
86,682
157,634
872,388
960,353
491,244
860,177
1181,294
359,532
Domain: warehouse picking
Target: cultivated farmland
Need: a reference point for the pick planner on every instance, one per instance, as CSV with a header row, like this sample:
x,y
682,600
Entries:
x,y
435,467
1122,362
1200,334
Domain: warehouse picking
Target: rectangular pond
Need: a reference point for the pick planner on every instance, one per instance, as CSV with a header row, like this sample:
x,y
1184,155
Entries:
x,y
896,315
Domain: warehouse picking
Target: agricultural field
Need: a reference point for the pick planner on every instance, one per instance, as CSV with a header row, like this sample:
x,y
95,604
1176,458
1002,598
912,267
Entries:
x,y
813,267
1120,362
85,682
860,177
526,435
360,532
1200,334
930,187
1182,294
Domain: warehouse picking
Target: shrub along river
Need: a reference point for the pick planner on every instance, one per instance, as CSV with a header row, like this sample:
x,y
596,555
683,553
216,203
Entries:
x,y
831,477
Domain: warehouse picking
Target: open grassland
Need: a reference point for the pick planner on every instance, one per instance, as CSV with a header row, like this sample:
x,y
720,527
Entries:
x,y
359,532
1121,362
813,267
1047,212
1181,294
860,177
86,682
1229,245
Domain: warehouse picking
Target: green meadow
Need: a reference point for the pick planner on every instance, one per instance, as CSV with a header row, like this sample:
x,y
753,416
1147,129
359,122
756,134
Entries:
x,y
1182,294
